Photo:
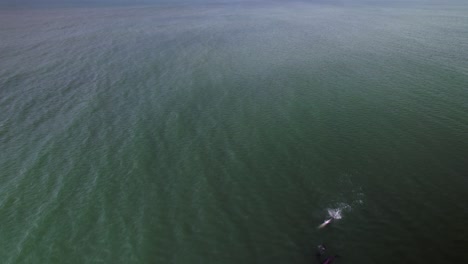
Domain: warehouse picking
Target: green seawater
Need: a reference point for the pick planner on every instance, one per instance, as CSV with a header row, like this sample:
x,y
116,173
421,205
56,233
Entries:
x,y
225,133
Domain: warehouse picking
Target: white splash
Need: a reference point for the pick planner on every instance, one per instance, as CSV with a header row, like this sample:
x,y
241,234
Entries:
x,y
336,213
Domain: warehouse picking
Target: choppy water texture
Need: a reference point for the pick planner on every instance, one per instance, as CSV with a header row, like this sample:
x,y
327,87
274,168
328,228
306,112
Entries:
x,y
225,133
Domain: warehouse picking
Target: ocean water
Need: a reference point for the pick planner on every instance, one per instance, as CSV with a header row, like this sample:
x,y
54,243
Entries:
x,y
226,133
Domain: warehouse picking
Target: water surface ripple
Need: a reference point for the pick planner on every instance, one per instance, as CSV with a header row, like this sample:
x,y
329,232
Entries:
x,y
223,134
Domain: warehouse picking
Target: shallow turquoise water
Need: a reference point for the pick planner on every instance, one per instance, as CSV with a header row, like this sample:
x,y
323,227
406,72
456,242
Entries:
x,y
223,133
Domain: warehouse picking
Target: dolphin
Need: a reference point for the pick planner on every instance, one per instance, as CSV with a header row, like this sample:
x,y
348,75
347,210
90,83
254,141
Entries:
x,y
326,222
321,255
329,260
